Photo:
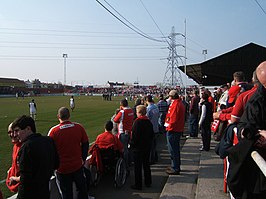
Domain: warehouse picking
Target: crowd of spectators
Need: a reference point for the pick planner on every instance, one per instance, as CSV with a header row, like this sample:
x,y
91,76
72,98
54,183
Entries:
x,y
239,103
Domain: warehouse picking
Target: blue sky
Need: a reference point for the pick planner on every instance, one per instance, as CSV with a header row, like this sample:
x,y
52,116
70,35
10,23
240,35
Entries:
x,y
35,34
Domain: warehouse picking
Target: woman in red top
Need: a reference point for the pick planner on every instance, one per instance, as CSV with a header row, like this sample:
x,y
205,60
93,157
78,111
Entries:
x,y
13,176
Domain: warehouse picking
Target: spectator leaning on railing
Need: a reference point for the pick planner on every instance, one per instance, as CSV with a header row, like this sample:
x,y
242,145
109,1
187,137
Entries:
x,y
245,179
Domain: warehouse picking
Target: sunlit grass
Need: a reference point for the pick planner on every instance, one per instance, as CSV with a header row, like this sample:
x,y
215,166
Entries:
x,y
91,112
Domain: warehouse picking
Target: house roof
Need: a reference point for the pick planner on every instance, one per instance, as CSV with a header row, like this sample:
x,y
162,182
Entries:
x,y
219,70
11,82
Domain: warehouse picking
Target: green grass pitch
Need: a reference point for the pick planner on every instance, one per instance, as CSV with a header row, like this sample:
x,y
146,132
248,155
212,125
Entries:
x,y
91,111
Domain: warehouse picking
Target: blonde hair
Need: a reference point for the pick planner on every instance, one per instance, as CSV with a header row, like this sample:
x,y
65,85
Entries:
x,y
141,109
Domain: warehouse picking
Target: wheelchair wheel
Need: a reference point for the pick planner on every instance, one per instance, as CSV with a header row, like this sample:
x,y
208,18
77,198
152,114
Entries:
x,y
120,173
95,175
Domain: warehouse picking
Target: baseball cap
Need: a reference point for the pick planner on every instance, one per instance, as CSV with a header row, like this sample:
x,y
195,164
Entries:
x,y
233,92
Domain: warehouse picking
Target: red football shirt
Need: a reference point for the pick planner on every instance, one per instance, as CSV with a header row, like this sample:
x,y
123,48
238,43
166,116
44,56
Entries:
x,y
241,102
68,137
124,118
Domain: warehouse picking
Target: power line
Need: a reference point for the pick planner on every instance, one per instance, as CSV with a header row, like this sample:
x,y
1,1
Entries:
x,y
60,35
124,18
87,32
29,58
201,46
70,31
82,44
77,35
138,32
80,48
260,7
154,21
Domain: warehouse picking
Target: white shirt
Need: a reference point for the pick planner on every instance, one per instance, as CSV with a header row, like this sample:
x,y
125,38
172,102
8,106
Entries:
x,y
32,107
72,104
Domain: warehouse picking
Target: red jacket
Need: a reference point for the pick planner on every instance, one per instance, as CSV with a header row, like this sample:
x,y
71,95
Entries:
x,y
225,115
175,118
106,140
96,157
212,101
237,110
14,169
124,118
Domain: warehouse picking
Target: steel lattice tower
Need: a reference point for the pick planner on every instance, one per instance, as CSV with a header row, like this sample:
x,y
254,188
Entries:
x,y
172,76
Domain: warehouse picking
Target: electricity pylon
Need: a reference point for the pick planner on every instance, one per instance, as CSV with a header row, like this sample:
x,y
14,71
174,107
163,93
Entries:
x,y
172,76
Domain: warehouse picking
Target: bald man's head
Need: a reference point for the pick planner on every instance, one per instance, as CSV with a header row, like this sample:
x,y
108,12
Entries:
x,y
63,113
261,73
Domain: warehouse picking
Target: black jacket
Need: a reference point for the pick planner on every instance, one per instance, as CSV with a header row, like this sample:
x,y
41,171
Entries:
x,y
38,159
209,116
254,116
245,179
142,134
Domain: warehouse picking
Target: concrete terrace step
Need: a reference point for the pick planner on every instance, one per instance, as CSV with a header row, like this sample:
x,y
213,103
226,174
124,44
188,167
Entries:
x,y
210,178
201,176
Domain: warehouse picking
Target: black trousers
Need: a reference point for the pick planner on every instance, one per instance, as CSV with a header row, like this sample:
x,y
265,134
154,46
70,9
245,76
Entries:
x,y
206,135
66,182
141,159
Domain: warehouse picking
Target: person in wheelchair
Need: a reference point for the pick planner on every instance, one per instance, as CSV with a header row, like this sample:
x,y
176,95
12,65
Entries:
x,y
107,140
107,153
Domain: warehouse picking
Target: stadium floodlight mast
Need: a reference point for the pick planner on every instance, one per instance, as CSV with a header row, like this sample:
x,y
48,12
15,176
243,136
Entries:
x,y
64,56
204,52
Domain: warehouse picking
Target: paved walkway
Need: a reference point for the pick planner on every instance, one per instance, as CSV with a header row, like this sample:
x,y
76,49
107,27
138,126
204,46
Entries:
x,y
201,174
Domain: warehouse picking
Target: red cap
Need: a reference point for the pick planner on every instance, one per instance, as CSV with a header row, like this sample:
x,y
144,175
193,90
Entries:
x,y
233,93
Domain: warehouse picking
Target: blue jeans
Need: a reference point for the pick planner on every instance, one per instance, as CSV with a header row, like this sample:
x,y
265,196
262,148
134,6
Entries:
x,y
161,122
154,154
193,125
173,143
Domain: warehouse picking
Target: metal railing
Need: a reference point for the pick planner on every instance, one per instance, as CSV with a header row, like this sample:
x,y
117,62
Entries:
x,y
259,161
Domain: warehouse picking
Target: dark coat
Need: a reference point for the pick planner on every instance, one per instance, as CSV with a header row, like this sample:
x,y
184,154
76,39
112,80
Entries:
x,y
254,116
38,159
245,179
209,116
142,134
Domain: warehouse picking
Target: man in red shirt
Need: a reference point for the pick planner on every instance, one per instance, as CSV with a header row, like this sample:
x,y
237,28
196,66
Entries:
x,y
106,139
72,145
234,113
242,99
174,123
125,118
